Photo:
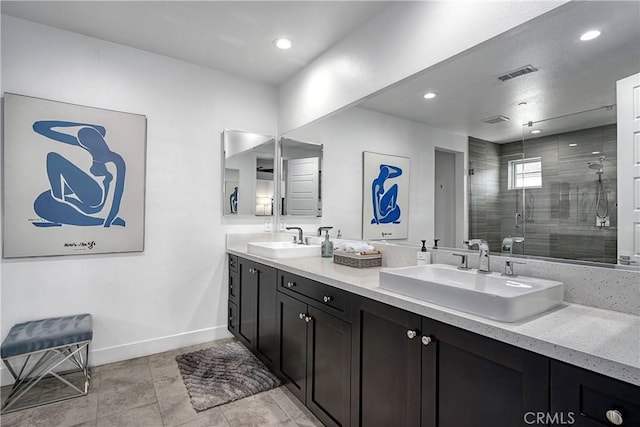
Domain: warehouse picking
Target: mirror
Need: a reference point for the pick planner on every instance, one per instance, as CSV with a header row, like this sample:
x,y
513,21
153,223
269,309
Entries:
x,y
301,178
248,168
539,76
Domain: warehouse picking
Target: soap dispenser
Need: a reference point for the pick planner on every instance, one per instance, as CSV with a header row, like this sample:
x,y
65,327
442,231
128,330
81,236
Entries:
x,y
326,249
422,256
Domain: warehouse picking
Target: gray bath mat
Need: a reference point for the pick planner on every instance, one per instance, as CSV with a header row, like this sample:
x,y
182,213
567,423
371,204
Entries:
x,y
222,374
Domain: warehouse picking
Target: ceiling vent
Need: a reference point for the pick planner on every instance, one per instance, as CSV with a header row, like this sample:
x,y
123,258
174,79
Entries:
x,y
517,73
496,119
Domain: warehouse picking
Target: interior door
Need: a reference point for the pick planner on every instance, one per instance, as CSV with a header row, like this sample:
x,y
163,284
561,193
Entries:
x,y
302,186
628,100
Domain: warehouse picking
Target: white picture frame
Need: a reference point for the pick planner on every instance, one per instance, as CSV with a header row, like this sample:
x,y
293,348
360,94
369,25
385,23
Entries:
x,y
74,179
385,196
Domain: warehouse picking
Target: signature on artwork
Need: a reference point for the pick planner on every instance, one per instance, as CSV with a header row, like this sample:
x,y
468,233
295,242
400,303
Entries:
x,y
81,245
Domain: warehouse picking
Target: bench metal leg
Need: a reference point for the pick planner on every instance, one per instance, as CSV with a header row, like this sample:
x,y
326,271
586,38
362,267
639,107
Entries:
x,y
49,360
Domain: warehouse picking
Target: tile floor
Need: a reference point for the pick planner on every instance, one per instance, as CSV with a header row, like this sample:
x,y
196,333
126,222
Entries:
x,y
149,392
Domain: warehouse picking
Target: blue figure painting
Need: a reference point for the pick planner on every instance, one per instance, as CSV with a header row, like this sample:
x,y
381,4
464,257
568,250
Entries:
x,y
78,197
233,200
385,201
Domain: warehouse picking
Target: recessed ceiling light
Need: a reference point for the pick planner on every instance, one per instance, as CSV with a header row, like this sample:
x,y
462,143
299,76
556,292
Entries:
x,y
595,152
573,145
589,35
430,95
536,131
282,43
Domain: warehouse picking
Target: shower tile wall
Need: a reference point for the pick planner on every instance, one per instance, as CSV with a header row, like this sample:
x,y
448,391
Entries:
x,y
559,219
484,192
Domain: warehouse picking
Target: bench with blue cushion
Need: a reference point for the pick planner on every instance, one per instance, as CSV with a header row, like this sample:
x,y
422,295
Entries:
x,y
43,347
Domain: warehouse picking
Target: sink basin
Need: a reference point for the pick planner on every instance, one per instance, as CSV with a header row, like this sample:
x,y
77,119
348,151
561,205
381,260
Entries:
x,y
506,299
281,250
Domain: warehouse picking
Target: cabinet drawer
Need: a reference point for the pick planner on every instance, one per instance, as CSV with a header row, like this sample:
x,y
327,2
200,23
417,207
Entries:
x,y
233,263
593,399
324,297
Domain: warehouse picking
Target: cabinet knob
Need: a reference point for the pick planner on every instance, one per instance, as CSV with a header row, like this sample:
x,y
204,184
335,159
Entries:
x,y
302,316
291,284
426,340
614,416
327,298
411,334
252,270
308,319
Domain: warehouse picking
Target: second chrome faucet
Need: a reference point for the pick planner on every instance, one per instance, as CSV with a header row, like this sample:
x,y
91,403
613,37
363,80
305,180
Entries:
x,y
483,247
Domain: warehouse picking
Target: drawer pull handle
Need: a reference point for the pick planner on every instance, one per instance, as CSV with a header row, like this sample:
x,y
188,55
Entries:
x,y
327,298
302,316
308,319
411,334
615,417
291,284
426,340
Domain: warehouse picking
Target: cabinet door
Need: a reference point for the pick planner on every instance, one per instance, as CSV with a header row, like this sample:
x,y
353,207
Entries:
x,y
247,302
471,380
267,328
591,399
328,368
232,316
292,363
386,366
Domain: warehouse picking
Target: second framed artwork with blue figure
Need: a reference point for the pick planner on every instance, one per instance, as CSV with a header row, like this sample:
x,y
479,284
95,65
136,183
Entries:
x,y
385,201
84,189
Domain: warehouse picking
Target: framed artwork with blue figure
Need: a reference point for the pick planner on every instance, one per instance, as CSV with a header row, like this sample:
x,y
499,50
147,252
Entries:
x,y
385,197
74,179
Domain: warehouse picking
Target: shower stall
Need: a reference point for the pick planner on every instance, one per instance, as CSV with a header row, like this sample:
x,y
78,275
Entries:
x,y
564,208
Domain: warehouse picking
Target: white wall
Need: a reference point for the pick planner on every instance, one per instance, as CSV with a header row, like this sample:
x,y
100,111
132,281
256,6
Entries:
x,y
403,39
345,136
174,292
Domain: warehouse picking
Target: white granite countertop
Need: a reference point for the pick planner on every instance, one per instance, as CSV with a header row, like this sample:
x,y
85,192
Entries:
x,y
603,341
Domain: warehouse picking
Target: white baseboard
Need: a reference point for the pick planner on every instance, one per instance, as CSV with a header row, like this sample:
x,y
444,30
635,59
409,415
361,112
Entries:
x,y
121,352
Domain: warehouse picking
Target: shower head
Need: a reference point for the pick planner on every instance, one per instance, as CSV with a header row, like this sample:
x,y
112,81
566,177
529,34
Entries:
x,y
597,165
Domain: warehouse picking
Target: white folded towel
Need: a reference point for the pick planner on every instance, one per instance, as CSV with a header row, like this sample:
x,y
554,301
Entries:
x,y
354,247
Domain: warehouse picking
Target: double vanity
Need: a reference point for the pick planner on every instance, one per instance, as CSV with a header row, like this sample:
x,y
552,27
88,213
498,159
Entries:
x,y
431,345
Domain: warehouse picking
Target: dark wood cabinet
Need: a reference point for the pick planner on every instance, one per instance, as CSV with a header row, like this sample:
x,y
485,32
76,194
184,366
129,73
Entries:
x,y
355,361
387,366
413,371
252,307
588,399
315,358
471,380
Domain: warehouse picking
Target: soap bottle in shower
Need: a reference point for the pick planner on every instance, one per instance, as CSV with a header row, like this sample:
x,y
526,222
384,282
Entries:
x,y
326,249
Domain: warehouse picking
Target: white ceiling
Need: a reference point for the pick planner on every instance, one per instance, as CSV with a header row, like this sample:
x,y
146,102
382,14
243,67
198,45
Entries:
x,y
233,36
573,76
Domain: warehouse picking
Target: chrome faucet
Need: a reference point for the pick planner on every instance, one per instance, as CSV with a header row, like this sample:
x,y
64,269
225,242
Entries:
x,y
483,247
300,238
321,229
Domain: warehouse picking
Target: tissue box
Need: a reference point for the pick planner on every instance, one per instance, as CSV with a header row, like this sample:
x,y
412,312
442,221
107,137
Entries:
x,y
357,261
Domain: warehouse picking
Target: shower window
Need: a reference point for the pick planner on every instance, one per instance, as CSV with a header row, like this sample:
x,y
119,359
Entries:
x,y
525,173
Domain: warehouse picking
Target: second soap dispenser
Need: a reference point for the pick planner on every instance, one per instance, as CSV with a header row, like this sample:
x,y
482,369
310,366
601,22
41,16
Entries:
x,y
326,249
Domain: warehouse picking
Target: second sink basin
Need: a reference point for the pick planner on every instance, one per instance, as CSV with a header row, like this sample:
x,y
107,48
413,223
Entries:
x,y
506,299
281,250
